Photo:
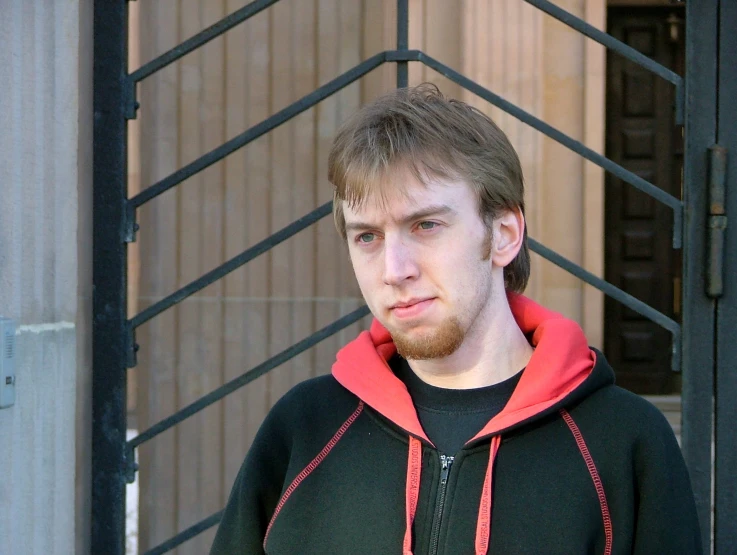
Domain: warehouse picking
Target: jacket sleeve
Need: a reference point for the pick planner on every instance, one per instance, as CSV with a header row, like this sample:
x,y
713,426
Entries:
x,y
255,493
666,519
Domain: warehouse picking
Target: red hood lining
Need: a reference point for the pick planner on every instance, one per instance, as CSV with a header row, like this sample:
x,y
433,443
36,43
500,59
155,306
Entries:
x,y
560,363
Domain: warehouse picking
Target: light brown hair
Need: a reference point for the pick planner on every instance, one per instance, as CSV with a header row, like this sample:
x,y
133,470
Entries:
x,y
419,129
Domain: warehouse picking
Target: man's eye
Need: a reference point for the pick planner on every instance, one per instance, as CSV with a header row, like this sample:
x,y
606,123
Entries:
x,y
427,225
366,237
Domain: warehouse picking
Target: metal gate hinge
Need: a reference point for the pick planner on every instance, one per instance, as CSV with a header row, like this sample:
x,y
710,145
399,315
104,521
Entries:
x,y
130,226
680,102
131,347
131,104
716,221
131,466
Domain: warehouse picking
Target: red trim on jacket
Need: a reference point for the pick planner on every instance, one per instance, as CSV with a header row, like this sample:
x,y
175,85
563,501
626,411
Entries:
x,y
412,492
483,522
560,363
312,466
608,534
362,368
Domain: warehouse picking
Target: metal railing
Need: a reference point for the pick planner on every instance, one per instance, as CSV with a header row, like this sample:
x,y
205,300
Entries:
x,y
113,458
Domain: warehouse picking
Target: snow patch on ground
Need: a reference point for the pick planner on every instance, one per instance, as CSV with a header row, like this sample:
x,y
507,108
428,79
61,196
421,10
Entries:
x,y
131,509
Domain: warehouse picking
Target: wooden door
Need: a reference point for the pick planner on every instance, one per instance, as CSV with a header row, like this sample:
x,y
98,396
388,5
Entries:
x,y
641,135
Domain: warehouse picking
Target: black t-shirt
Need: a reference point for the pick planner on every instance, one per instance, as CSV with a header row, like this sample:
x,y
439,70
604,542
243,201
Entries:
x,y
450,417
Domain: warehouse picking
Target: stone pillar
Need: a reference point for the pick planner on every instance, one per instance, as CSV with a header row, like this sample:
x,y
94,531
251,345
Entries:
x,y
45,272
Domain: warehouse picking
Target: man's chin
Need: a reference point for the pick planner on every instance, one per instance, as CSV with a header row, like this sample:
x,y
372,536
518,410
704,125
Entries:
x,y
423,343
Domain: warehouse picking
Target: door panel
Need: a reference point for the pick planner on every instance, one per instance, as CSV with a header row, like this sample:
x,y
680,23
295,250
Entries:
x,y
642,136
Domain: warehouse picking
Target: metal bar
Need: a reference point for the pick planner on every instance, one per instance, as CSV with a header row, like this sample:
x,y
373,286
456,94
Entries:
x,y
109,263
617,46
403,55
187,534
574,145
698,310
402,41
604,286
625,298
260,129
203,37
249,376
607,40
234,263
725,470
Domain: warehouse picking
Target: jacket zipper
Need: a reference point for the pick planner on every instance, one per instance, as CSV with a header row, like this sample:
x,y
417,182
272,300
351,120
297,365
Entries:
x,y
445,463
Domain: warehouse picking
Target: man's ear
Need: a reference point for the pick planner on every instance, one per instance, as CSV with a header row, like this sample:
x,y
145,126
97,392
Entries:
x,y
509,233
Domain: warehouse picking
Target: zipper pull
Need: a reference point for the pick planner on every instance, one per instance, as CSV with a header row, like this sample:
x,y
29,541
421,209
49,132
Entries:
x,y
445,463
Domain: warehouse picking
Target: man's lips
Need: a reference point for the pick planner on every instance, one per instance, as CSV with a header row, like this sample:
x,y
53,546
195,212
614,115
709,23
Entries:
x,y
410,308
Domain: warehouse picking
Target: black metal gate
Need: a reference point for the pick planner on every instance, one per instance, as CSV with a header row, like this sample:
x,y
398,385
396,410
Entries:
x,y
704,346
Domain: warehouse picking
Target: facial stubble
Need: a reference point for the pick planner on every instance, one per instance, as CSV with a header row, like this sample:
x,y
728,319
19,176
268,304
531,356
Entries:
x,y
440,343
447,338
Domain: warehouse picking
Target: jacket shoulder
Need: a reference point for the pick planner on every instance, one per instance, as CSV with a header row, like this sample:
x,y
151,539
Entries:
x,y
622,411
315,406
322,393
633,442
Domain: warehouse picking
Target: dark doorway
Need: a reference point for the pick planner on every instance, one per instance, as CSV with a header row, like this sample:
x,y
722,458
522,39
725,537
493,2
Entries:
x,y
642,136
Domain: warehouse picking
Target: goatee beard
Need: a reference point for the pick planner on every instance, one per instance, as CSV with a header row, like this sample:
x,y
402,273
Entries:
x,y
440,343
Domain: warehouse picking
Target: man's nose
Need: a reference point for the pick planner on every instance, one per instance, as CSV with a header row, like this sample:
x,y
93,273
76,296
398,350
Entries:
x,y
399,262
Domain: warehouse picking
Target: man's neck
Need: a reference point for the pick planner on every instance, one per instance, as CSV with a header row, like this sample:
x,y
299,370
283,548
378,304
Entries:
x,y
492,352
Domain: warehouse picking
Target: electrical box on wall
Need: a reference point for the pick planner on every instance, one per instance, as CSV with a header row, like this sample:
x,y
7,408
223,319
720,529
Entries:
x,y
7,362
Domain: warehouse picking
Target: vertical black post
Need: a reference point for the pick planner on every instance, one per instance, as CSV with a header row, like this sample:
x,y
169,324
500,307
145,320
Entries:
x,y
698,310
109,278
402,41
725,479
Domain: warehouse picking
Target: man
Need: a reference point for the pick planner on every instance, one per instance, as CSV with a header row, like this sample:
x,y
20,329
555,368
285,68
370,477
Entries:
x,y
469,419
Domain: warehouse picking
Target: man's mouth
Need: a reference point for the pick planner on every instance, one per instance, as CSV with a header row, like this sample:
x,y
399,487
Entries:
x,y
411,307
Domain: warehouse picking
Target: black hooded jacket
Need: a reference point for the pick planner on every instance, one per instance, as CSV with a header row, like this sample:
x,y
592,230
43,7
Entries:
x,y
573,464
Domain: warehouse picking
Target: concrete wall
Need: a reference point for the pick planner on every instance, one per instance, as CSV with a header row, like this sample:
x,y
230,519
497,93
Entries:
x,y
45,277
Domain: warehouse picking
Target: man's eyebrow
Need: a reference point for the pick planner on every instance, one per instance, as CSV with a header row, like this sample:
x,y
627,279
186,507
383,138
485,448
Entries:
x,y
427,212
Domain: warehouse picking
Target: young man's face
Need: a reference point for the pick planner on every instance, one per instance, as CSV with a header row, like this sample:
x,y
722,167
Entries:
x,y
421,261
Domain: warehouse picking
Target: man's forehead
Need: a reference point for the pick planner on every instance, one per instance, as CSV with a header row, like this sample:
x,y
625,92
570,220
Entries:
x,y
403,204
405,188
383,201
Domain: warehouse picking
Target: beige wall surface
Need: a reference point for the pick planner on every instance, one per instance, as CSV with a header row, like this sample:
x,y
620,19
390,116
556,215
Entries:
x,y
557,75
44,175
235,82
305,283
572,189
